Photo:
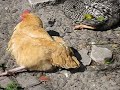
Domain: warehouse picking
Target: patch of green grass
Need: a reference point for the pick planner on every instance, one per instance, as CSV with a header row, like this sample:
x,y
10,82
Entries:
x,y
12,86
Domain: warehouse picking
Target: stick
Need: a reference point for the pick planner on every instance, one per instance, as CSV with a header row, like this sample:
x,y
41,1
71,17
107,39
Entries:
x,y
12,71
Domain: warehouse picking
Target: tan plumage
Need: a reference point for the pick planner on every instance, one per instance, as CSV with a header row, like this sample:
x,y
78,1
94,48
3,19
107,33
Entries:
x,y
33,48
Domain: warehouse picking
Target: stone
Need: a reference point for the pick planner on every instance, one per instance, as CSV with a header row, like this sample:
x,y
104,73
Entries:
x,y
34,2
86,60
99,54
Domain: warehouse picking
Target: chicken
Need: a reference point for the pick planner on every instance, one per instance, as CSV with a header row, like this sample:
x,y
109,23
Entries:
x,y
93,14
34,49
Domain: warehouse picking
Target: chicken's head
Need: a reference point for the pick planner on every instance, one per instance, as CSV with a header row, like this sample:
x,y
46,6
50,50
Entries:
x,y
31,19
24,14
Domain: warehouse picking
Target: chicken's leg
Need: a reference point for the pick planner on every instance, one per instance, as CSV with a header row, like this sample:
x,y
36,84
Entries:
x,y
12,71
82,26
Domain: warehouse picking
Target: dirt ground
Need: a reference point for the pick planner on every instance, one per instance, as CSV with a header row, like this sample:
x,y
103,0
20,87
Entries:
x,y
93,77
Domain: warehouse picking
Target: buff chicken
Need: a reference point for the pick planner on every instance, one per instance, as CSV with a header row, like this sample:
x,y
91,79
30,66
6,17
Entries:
x,y
34,49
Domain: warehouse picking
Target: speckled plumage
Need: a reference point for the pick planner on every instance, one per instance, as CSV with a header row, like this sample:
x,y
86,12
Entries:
x,y
109,9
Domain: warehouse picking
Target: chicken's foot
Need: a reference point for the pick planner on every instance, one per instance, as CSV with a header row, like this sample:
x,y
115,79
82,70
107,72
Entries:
x,y
83,26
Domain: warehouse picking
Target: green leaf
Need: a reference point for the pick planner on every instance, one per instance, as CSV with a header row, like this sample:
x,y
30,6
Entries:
x,y
100,18
108,61
88,16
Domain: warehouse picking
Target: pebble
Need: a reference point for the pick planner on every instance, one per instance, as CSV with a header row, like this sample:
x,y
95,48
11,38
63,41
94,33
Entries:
x,y
6,8
65,73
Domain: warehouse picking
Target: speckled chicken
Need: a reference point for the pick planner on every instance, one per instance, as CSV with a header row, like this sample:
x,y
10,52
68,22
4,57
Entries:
x,y
33,48
93,14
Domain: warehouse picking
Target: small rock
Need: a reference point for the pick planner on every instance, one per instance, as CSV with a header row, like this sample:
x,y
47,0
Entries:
x,y
6,8
86,60
66,73
34,2
99,54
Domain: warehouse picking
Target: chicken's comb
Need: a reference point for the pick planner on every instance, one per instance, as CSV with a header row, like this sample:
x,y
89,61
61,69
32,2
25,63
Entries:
x,y
26,11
